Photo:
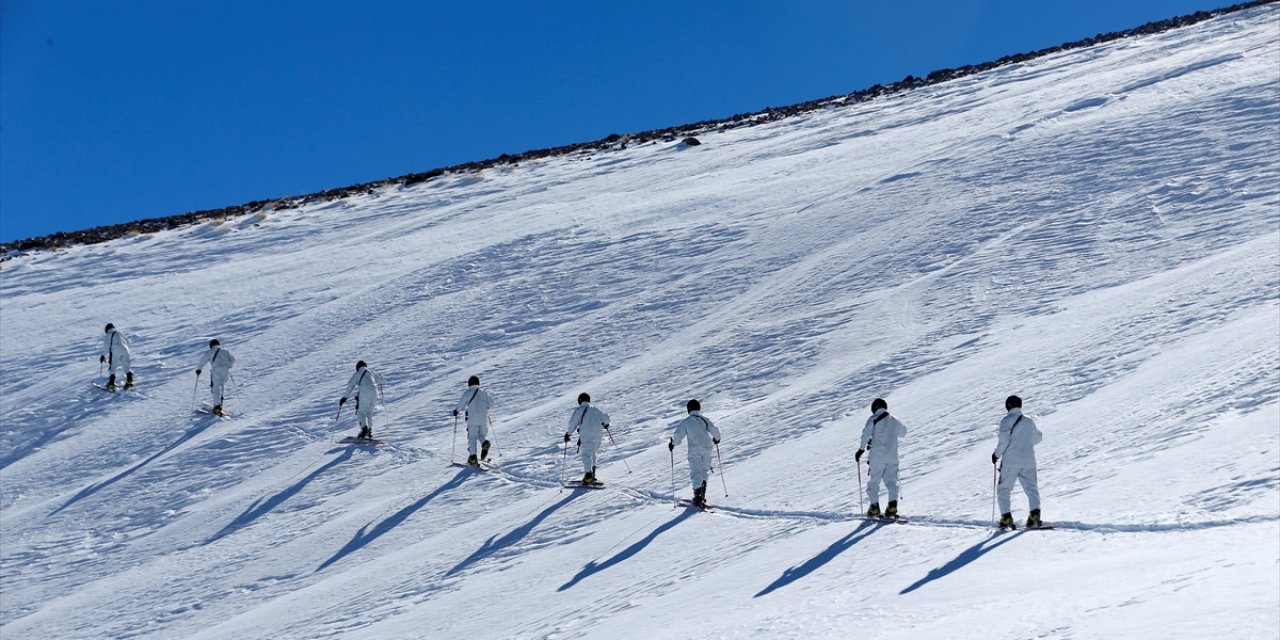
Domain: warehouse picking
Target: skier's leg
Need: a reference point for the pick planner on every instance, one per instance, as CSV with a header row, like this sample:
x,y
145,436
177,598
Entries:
x,y
473,439
699,465
891,481
217,383
874,474
1005,488
1030,486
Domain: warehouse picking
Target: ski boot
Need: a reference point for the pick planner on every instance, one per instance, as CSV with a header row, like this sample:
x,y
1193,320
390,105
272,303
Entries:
x,y
700,496
484,450
588,478
128,379
874,511
473,461
111,383
217,411
1033,520
892,510
365,433
1006,522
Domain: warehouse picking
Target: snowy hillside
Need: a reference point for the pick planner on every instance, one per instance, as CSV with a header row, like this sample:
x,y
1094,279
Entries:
x,y
1097,231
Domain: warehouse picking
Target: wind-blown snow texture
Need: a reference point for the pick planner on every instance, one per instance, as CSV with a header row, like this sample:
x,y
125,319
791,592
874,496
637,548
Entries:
x,y
1098,231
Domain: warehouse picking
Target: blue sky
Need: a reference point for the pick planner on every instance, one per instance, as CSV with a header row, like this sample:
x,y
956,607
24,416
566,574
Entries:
x,y
119,111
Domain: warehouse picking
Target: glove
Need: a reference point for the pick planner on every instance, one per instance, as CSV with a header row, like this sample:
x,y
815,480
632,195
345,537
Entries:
x,y
342,401
671,445
579,444
455,413
994,458
715,440
102,359
857,457
566,438
197,373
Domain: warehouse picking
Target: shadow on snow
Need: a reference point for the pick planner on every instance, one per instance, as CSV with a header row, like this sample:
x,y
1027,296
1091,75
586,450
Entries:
x,y
365,535
99,486
862,532
492,545
967,556
261,507
593,568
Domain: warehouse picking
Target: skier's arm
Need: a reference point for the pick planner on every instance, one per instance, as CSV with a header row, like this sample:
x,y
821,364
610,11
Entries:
x,y
1002,440
678,437
231,360
351,384
865,440
1036,434
204,360
715,433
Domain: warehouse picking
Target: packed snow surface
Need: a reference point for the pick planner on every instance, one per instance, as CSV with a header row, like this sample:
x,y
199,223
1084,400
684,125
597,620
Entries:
x,y
1097,231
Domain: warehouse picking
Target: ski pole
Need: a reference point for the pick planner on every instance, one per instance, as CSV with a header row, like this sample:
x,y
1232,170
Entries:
x,y
453,453
494,439
615,446
858,464
721,461
994,470
564,457
673,476
339,416
195,391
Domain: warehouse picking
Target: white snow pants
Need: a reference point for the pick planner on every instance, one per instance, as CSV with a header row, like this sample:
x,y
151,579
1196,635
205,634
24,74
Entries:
x,y
588,450
699,465
882,471
218,385
364,409
1029,486
476,434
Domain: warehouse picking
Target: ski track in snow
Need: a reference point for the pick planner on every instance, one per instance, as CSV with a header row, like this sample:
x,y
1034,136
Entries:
x,y
1095,230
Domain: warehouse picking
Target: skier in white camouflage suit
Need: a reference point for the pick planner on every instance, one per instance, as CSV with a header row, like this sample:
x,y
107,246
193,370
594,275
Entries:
x,y
474,407
116,354
880,435
590,423
1016,454
703,436
220,361
365,383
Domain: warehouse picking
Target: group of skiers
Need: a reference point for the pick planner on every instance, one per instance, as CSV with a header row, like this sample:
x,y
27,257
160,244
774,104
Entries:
x,y
1014,455
1014,459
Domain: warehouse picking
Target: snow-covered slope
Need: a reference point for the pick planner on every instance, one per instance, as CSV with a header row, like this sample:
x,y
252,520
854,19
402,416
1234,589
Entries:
x,y
1097,231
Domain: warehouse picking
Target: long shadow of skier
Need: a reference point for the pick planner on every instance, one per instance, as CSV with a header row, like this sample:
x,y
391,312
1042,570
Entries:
x,y
492,545
967,556
365,535
260,507
593,568
99,486
862,532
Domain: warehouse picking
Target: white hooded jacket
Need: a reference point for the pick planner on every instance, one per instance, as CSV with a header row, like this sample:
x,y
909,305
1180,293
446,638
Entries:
x,y
880,438
589,422
220,359
701,432
475,403
1018,437
367,393
115,346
